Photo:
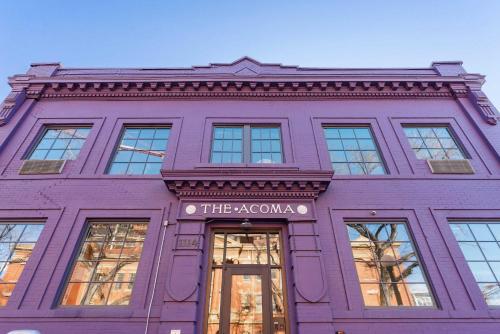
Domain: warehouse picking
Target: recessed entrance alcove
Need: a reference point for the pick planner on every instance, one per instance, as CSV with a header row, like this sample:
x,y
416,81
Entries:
x,y
246,254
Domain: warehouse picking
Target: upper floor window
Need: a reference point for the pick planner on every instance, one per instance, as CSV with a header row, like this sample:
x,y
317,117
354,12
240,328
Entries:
x,y
433,142
387,264
247,144
62,143
17,241
104,271
353,151
141,151
480,244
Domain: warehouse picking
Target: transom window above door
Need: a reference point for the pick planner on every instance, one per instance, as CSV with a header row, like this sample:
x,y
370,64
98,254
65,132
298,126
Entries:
x,y
246,144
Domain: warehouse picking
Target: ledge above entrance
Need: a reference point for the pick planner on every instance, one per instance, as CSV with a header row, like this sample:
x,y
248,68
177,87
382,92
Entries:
x,y
256,183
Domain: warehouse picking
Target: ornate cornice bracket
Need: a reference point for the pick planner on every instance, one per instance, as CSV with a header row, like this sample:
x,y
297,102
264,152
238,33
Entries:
x,y
247,183
12,103
486,109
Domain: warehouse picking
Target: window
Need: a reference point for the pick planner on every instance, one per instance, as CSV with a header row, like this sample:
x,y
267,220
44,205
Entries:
x,y
480,244
17,241
104,270
353,151
388,268
229,144
141,151
433,142
62,143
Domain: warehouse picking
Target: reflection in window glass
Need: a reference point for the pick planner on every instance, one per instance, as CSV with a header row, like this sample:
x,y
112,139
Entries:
x,y
104,271
388,269
233,249
246,313
266,145
246,144
480,244
246,249
141,151
434,143
353,151
227,144
16,245
60,144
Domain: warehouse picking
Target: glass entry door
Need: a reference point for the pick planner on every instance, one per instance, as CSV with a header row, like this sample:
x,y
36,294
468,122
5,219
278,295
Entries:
x,y
246,284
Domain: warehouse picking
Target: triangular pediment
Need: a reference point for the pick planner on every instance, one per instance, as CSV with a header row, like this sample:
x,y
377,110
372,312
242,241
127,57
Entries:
x,y
245,66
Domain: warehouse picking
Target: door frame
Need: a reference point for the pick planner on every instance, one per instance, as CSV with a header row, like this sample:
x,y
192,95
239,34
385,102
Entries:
x,y
225,308
225,227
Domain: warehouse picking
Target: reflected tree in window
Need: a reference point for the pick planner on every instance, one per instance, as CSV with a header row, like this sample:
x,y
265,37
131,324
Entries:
x,y
387,265
17,241
104,271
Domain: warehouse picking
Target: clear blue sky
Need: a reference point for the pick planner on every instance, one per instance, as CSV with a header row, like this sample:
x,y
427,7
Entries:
x,y
330,33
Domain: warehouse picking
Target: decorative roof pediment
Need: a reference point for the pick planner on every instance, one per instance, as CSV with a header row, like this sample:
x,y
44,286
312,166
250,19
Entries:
x,y
248,183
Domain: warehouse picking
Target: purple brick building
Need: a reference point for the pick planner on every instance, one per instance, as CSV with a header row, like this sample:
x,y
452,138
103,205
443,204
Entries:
x,y
249,198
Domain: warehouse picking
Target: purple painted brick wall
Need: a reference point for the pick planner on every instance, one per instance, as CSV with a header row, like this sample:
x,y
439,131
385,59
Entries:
x,y
301,100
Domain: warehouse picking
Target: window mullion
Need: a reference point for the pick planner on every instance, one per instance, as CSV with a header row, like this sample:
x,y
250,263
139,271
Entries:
x,y
247,142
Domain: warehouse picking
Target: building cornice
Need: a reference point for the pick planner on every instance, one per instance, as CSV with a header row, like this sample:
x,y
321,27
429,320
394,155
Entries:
x,y
247,79
247,183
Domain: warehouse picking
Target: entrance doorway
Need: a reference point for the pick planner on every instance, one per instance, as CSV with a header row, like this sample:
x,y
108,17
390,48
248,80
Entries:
x,y
245,292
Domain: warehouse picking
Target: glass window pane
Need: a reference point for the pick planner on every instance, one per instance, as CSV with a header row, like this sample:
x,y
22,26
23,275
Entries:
x,y
357,169
462,232
265,145
331,133
136,168
471,251
420,295
274,249
54,155
491,250
74,294
119,294
495,229
214,301
138,146
373,295
118,168
63,143
354,156
437,140
387,265
341,169
482,253
481,232
346,133
246,249
152,168
482,272
17,242
114,260
491,293
354,145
